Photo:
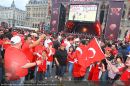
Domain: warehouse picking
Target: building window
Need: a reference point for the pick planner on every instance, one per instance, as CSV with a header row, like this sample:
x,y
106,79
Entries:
x,y
33,15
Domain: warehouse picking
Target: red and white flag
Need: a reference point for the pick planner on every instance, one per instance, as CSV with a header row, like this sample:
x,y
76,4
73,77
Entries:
x,y
92,53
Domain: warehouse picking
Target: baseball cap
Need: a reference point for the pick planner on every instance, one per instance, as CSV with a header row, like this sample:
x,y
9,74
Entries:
x,y
77,39
15,40
50,43
34,34
63,44
108,49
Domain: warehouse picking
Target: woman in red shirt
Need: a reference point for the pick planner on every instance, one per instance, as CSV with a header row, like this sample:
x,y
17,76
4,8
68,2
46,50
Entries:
x,y
71,54
50,53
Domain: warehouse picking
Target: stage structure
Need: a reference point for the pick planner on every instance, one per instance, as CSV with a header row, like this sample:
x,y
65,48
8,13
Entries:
x,y
80,16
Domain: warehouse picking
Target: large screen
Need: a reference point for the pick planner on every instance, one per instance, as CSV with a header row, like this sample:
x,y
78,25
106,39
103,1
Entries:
x,y
83,13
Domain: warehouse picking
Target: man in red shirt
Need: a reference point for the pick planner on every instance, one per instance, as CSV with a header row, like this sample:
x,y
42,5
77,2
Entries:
x,y
114,50
16,63
27,49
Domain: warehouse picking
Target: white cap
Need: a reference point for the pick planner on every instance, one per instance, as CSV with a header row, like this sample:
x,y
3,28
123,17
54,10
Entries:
x,y
77,39
34,34
128,55
15,40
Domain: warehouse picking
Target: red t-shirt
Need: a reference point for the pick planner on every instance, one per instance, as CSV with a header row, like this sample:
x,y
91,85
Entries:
x,y
96,71
14,33
22,38
28,52
14,60
50,55
39,49
42,66
121,67
5,46
125,77
91,73
114,52
71,57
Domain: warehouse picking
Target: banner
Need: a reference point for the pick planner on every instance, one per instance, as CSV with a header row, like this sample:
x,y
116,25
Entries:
x,y
113,19
54,16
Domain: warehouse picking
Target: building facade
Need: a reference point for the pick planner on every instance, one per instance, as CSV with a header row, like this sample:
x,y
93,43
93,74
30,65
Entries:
x,y
13,16
37,12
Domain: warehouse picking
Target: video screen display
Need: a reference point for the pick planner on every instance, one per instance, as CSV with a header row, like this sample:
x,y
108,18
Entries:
x,y
83,13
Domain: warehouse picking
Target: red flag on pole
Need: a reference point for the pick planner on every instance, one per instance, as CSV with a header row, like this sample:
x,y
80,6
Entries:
x,y
92,53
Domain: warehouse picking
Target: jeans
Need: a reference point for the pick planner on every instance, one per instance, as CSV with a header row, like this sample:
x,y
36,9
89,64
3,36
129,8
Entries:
x,y
70,69
49,70
61,70
56,72
19,82
104,78
40,76
30,75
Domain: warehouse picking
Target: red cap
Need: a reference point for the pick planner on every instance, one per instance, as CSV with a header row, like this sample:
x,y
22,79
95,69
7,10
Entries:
x,y
63,44
50,43
108,49
14,33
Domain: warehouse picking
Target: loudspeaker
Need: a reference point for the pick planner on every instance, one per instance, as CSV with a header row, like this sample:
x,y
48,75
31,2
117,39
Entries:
x,y
62,15
101,16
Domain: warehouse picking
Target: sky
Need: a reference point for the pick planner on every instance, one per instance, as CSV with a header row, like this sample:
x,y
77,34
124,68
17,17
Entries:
x,y
18,3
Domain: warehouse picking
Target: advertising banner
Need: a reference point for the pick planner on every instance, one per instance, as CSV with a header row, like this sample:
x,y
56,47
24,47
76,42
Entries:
x,y
115,12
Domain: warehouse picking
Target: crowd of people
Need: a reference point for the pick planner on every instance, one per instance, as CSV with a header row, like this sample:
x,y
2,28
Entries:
x,y
31,55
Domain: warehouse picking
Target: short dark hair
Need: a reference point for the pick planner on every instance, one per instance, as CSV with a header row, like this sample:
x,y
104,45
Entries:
x,y
83,42
26,37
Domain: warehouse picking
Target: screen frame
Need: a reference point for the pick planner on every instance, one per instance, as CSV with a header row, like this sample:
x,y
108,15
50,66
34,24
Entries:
x,y
85,4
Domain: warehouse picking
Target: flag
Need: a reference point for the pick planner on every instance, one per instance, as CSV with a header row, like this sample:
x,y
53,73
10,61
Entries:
x,y
92,53
78,70
89,54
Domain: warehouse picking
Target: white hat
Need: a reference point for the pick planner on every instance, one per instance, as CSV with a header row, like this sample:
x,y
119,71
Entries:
x,y
128,55
15,40
77,39
34,34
